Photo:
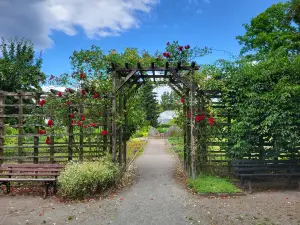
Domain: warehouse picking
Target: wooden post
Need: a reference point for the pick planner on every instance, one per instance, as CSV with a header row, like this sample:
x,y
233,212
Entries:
x,y
36,138
81,111
105,119
185,148
114,118
2,101
20,128
188,136
192,125
126,132
52,149
71,136
198,134
120,135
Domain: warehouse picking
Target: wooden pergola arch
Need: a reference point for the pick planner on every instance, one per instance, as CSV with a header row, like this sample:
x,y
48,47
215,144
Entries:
x,y
127,80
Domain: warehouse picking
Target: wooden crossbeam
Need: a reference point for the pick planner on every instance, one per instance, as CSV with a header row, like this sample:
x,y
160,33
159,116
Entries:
x,y
175,89
126,79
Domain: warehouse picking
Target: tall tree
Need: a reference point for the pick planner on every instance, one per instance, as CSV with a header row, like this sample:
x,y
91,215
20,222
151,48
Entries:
x,y
168,101
150,104
277,27
19,69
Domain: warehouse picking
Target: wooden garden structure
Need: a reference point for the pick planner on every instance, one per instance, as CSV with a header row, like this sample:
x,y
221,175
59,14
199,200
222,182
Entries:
x,y
127,80
78,145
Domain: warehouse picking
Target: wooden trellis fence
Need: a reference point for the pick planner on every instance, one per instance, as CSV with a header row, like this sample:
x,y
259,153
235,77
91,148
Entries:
x,y
22,141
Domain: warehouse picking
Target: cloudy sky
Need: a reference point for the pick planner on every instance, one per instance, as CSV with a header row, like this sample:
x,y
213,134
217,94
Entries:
x,y
58,27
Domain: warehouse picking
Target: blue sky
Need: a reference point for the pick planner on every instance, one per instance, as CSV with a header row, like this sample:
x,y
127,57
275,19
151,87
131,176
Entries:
x,y
213,23
61,26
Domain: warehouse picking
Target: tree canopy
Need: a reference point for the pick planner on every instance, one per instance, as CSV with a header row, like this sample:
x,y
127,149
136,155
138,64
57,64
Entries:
x,y
19,69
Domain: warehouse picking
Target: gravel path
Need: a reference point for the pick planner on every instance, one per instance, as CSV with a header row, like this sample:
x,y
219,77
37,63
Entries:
x,y
156,198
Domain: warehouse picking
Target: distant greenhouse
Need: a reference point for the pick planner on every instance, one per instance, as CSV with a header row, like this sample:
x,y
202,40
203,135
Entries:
x,y
166,116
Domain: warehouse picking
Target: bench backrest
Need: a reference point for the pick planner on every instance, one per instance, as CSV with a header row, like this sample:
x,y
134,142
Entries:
x,y
45,170
278,166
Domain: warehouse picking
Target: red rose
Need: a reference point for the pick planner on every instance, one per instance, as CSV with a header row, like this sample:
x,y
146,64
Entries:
x,y
48,142
68,102
41,132
82,75
187,47
182,100
188,115
180,48
200,117
85,126
50,123
93,125
72,115
59,94
79,123
211,121
95,96
104,132
42,102
82,118
82,92
167,54
74,123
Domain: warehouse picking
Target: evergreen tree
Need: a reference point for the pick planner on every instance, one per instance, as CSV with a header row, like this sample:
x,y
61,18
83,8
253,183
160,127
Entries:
x,y
149,104
168,101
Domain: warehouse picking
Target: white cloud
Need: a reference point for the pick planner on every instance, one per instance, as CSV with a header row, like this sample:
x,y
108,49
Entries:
x,y
35,19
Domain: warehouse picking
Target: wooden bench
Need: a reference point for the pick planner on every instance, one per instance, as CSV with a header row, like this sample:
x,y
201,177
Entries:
x,y
247,169
46,173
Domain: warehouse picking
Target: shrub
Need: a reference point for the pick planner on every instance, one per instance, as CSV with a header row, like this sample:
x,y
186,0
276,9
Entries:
x,y
83,179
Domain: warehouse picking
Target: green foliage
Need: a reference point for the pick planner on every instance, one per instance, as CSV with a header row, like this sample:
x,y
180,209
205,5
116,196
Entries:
x,y
277,27
162,129
79,180
266,104
10,131
211,184
150,104
168,101
19,70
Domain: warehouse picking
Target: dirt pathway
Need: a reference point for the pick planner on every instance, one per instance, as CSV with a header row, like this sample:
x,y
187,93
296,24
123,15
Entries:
x,y
155,199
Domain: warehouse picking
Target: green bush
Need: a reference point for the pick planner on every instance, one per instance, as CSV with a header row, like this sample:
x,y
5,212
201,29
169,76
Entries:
x,y
79,180
162,130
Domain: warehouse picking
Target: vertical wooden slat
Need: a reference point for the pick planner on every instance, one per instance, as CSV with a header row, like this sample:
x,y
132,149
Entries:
x,y
81,136
70,133
52,147
188,134
114,118
125,131
20,129
36,138
121,128
1,126
185,147
192,147
105,119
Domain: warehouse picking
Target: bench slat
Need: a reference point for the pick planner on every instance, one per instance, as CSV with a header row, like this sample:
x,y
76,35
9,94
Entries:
x,y
29,174
269,174
25,179
33,165
29,169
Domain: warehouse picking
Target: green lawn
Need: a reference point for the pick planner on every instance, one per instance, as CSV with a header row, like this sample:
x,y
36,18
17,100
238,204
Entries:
x,y
211,184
